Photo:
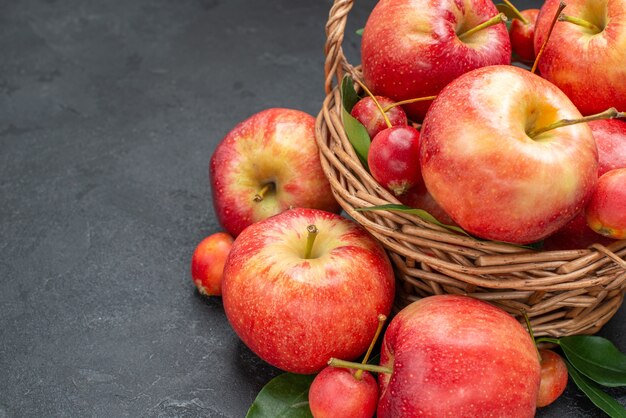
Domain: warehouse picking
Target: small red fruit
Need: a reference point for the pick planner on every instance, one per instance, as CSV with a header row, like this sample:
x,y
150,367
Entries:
x,y
337,393
370,116
207,263
606,211
553,377
522,35
394,159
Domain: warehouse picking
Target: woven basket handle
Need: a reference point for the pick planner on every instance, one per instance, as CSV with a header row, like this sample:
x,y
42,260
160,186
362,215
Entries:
x,y
336,64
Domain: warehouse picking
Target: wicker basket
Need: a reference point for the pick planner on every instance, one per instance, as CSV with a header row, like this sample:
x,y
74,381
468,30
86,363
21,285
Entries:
x,y
562,292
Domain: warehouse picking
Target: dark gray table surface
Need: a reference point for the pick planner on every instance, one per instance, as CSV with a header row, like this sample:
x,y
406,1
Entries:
x,y
109,113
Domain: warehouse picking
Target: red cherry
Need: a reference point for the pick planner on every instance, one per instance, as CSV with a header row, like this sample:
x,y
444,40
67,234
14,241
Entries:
x,y
553,377
523,34
366,112
394,158
207,263
337,393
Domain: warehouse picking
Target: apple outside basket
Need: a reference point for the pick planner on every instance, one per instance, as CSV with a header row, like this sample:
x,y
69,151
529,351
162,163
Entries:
x,y
562,292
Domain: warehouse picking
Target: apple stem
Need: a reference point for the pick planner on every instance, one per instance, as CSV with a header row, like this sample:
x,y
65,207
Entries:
x,y
516,11
499,18
408,101
580,22
261,194
310,239
335,362
531,332
381,321
611,113
545,42
380,108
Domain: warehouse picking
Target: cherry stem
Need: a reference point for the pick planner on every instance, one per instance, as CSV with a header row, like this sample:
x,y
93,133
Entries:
x,y
516,11
310,239
261,194
611,113
369,93
545,42
531,332
381,321
580,22
408,101
335,362
499,18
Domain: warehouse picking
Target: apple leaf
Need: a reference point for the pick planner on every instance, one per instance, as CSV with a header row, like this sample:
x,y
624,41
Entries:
x,y
286,395
415,211
356,132
348,94
599,398
359,32
597,358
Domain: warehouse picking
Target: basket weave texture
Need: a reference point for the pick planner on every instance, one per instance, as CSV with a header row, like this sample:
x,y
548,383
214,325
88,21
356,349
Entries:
x,y
562,292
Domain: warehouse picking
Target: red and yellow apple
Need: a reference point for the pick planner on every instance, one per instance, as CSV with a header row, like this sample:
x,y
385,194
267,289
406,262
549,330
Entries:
x,y
585,59
296,308
606,211
487,163
413,48
457,356
265,165
610,136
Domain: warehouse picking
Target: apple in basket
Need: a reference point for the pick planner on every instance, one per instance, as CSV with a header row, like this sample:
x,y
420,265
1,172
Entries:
x,y
413,48
586,52
457,356
306,285
496,155
610,136
265,165
606,211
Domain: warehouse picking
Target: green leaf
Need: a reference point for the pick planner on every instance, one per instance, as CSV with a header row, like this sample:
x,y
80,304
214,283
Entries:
x,y
286,395
599,398
415,211
348,94
356,132
359,32
597,358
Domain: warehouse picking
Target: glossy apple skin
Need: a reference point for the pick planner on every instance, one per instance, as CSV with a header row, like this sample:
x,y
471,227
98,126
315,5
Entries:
x,y
418,197
297,313
522,36
207,263
393,158
610,136
554,377
457,356
606,211
410,48
366,112
588,68
480,165
275,146
575,235
336,393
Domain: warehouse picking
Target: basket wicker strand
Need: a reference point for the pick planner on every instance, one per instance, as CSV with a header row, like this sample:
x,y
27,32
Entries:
x,y
562,292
